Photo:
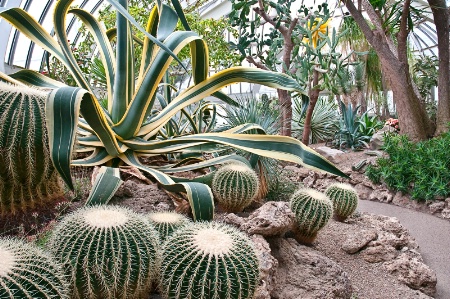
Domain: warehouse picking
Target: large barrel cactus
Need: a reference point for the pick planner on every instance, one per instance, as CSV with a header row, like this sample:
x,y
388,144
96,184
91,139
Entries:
x,y
167,222
27,175
313,210
235,185
208,261
107,251
27,272
344,198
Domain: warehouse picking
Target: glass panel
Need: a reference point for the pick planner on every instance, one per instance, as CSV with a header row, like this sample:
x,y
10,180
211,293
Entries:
x,y
36,58
20,56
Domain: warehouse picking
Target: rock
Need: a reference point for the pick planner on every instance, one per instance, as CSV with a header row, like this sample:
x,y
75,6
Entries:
x,y
401,200
414,273
142,197
445,213
377,140
358,240
267,267
232,219
378,254
301,172
309,181
272,219
363,191
381,196
331,154
305,273
437,207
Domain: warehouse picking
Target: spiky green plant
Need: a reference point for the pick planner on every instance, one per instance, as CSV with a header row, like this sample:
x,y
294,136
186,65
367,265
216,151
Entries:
x,y
167,222
107,251
344,198
208,261
313,210
235,185
28,272
128,128
27,175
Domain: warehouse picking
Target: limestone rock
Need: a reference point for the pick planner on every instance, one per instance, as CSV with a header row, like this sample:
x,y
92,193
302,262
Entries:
x,y
358,240
381,196
232,219
331,154
272,219
437,207
363,191
305,273
414,273
445,213
378,254
267,266
377,140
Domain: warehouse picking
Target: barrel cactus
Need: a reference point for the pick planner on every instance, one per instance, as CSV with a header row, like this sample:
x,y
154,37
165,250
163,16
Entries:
x,y
107,251
208,260
235,185
344,198
27,272
27,175
167,222
313,210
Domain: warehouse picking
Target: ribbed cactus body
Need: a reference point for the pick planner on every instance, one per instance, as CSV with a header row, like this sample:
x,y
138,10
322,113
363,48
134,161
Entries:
x,y
312,210
107,251
235,186
344,198
167,222
208,261
27,272
27,175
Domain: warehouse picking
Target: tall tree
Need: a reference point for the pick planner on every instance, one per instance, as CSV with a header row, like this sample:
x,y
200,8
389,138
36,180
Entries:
x,y
394,62
441,20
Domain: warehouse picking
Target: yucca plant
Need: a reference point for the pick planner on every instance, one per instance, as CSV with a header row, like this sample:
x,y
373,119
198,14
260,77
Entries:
x,y
127,129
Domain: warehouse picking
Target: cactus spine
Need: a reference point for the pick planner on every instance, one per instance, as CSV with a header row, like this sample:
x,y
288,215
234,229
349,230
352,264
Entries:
x,y
27,272
235,186
208,261
312,210
167,222
107,251
27,175
344,198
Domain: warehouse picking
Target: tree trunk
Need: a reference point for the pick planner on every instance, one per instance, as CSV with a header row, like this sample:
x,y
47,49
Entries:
x,y
441,20
286,112
313,96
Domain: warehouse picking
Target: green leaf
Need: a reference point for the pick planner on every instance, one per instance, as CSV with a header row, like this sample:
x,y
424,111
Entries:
x,y
105,186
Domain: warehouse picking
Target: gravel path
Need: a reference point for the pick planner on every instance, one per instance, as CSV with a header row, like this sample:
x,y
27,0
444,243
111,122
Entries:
x,y
431,233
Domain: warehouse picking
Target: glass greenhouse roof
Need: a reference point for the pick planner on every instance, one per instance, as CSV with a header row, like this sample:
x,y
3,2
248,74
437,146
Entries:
x,y
18,52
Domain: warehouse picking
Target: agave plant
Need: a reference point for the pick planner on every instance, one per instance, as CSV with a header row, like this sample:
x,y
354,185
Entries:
x,y
128,129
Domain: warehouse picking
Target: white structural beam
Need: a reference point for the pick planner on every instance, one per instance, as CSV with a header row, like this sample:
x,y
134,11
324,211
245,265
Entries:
x,y
5,31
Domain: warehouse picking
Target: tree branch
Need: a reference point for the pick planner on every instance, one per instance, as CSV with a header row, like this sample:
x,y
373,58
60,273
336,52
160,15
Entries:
x,y
258,64
402,36
260,11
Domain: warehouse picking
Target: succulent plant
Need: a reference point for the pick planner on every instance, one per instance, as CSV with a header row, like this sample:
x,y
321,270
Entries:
x,y
167,222
235,185
27,175
313,210
28,272
344,198
208,260
107,251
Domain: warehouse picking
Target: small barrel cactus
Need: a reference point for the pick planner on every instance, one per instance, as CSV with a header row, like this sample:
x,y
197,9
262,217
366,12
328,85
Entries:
x,y
208,260
235,185
107,251
27,272
344,198
167,222
313,210
27,176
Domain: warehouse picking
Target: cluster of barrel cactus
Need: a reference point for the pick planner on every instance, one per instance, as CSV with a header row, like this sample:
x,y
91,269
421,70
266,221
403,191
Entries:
x,y
27,175
344,198
235,185
167,222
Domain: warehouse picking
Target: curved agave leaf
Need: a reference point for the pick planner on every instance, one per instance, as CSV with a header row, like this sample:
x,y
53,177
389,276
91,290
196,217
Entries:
x,y
199,195
106,184
30,77
8,79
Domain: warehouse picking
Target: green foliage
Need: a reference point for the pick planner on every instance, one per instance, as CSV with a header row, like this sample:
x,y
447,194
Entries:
x,y
235,185
27,175
425,75
369,125
107,252
208,261
283,188
167,222
324,121
312,210
350,135
344,198
28,272
422,169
